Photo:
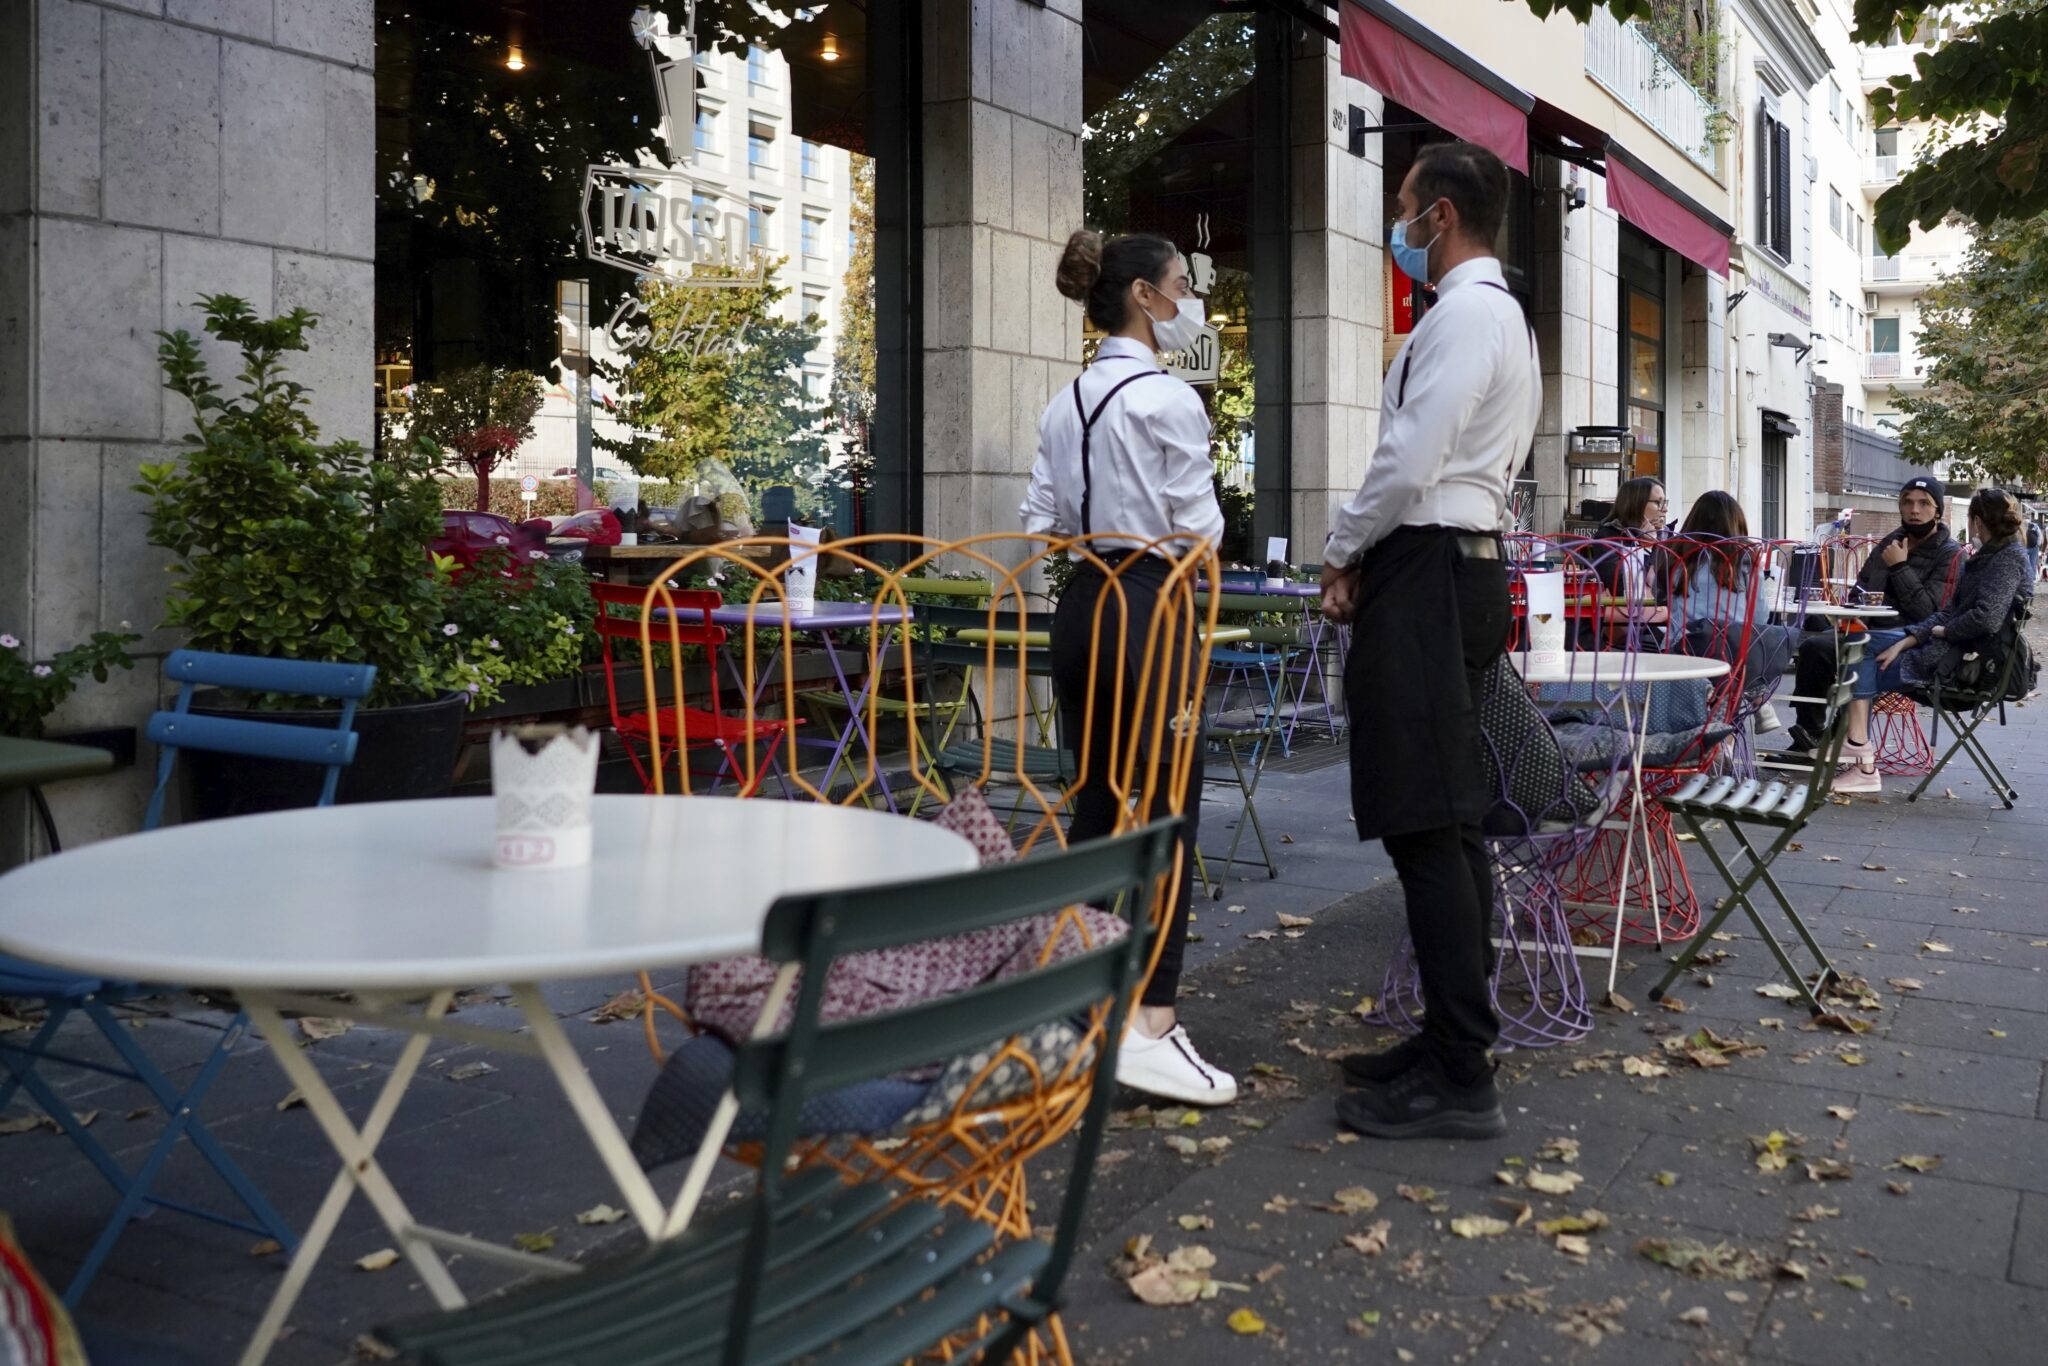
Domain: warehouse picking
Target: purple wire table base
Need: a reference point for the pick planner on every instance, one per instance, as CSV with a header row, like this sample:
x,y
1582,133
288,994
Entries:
x,y
1537,990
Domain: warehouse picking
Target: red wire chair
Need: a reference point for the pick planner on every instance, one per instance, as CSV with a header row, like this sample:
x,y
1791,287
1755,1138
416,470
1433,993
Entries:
x,y
681,728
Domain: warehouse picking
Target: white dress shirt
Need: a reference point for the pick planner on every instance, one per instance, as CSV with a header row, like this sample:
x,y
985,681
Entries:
x,y
1150,474
1457,414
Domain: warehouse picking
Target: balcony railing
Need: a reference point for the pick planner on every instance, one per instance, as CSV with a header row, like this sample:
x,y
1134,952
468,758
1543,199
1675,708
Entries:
x,y
1629,65
1910,268
1882,170
1885,267
1881,365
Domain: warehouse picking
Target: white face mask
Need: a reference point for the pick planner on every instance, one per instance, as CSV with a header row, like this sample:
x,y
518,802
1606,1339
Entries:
x,y
1183,329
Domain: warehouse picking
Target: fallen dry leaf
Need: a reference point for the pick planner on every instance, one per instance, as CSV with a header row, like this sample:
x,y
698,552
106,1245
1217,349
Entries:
x,y
314,1028
1553,1183
1842,1111
381,1259
624,1006
1706,1261
1246,1322
1899,1187
1813,1214
268,1247
1416,1195
1195,1223
1644,1067
1778,991
600,1214
1906,983
1479,1226
1564,1150
1373,1241
533,1242
1916,1163
1293,922
469,1071
1352,1200
1574,1245
1935,946
1590,1221
369,1347
1696,1316
1828,1169
1915,1108
1853,1282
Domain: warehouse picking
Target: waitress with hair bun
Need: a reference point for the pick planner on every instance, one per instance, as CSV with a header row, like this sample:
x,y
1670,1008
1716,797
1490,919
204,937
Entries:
x,y
1125,449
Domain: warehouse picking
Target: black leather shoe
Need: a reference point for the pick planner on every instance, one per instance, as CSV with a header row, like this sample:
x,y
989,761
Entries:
x,y
1799,741
1368,1069
1424,1102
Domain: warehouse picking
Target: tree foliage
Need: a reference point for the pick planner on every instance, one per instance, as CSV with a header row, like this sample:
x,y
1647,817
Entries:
x,y
1981,331
722,380
479,414
853,354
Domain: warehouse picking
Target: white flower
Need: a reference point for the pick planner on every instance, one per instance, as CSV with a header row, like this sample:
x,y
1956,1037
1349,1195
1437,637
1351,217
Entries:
x,y
569,630
504,540
42,671
474,688
8,642
536,554
495,645
450,629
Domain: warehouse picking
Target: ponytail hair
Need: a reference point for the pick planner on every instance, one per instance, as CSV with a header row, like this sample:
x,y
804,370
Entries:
x,y
1098,275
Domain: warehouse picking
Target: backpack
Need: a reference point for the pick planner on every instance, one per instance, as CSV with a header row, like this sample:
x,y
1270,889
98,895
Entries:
x,y
1979,668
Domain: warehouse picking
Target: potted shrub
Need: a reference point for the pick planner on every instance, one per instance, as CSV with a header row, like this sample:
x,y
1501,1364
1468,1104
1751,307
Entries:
x,y
288,548
30,691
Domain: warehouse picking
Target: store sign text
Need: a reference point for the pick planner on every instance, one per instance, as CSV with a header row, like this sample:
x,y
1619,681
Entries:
x,y
1201,363
631,328
650,222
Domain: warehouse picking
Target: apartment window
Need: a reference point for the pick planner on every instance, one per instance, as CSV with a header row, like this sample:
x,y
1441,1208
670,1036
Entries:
x,y
1856,231
1884,336
1835,212
814,385
757,66
814,236
1835,314
1834,102
1643,405
1773,470
699,202
813,160
707,129
760,146
814,304
760,224
1885,142
1774,183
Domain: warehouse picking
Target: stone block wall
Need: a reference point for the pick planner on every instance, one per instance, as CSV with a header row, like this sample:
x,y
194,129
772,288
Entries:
x,y
152,151
1002,191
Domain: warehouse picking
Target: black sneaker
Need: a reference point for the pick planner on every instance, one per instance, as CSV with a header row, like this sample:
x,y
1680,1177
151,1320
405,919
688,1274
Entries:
x,y
1799,741
1370,1069
1423,1102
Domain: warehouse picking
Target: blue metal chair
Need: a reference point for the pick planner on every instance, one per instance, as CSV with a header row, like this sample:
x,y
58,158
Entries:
x,y
61,992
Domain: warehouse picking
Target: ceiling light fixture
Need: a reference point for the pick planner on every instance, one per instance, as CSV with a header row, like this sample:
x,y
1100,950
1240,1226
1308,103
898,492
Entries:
x,y
515,58
829,51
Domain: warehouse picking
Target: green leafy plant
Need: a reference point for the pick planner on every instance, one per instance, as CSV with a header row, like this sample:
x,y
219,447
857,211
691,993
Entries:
x,y
511,624
30,691
286,548
480,415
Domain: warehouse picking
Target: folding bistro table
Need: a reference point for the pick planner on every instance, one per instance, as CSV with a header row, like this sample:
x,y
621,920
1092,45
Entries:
x,y
1624,670
399,903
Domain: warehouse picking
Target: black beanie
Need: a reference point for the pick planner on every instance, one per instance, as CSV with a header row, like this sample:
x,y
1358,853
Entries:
x,y
1929,485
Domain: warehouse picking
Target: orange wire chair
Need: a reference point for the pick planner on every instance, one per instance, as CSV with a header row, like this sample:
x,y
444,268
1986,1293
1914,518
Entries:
x,y
975,1156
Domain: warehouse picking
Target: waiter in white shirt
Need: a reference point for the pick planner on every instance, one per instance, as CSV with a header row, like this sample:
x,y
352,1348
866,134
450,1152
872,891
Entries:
x,y
1414,562
1125,448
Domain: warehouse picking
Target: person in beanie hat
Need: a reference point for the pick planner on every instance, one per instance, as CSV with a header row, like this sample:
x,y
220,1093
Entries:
x,y
1914,567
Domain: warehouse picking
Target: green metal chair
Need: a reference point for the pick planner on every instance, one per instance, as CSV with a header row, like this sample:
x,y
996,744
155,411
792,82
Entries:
x,y
813,1269
1966,710
1244,776
979,756
1786,792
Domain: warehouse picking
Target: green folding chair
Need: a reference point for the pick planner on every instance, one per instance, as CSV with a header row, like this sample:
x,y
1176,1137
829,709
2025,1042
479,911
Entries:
x,y
1786,792
1244,776
1966,709
813,1269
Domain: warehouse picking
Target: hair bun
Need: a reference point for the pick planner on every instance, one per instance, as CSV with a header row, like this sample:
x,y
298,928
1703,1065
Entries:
x,y
1080,265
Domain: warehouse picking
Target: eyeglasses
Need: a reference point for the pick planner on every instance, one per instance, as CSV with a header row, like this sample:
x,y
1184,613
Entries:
x,y
1656,503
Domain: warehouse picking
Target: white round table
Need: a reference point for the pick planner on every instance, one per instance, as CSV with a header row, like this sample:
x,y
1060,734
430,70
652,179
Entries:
x,y
399,901
1619,669
403,895
1837,611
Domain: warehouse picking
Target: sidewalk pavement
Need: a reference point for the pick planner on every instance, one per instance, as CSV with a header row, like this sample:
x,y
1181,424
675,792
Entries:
x,y
1901,1259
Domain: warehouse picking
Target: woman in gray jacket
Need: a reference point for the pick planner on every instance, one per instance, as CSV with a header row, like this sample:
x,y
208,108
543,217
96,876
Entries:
x,y
1994,580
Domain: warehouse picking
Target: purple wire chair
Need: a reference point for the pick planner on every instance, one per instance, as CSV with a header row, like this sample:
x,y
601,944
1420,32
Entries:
x,y
1552,795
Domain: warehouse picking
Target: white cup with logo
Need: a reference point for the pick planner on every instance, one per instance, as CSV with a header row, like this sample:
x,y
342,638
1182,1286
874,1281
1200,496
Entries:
x,y
542,780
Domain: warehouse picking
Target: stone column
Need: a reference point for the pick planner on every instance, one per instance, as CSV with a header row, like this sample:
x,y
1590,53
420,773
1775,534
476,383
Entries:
x,y
1701,422
1339,275
1002,191
152,151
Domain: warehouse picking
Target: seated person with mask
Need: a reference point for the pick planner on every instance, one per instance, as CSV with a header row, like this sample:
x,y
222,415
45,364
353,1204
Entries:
x,y
1914,567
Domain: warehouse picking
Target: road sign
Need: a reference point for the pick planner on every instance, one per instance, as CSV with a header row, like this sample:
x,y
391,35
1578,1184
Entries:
x,y
529,484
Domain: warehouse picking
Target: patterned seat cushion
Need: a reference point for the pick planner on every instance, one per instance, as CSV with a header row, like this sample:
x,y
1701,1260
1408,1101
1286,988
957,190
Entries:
x,y
678,1108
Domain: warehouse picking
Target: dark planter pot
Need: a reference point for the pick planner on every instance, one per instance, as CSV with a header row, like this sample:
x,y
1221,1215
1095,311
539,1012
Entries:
x,y
402,753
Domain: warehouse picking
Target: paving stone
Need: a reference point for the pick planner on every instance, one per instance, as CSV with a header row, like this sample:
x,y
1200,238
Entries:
x,y
2030,1243
1999,1031
1906,1313
1993,1150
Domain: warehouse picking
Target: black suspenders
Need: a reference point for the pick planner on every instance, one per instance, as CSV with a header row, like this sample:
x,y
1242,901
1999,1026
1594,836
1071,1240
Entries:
x,y
1088,426
1401,392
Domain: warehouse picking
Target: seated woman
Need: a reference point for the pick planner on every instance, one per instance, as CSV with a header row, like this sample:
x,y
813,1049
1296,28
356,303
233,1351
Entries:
x,y
1635,529
1715,606
1995,579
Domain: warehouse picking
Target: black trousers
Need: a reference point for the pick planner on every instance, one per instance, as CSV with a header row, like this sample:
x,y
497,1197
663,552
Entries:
x,y
1446,876
1095,804
1813,673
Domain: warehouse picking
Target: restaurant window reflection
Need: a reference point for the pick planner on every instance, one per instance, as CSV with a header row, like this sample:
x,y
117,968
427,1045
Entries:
x,y
1171,126
768,377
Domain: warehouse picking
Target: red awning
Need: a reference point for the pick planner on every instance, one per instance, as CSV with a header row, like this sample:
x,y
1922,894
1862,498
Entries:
x,y
1427,75
1646,200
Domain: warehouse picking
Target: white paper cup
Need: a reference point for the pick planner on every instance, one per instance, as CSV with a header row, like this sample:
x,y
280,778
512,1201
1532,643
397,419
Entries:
x,y
629,538
542,779
1276,583
1545,598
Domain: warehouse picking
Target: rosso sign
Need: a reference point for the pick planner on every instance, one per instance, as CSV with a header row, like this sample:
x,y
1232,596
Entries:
x,y
1199,363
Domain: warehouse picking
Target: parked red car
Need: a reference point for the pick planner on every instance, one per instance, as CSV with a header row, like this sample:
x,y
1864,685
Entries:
x,y
466,536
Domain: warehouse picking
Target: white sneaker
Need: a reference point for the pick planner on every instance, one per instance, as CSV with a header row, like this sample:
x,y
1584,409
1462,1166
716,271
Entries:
x,y
1169,1066
1767,719
1859,775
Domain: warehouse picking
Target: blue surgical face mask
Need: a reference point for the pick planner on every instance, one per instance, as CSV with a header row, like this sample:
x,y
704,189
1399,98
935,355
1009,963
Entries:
x,y
1413,260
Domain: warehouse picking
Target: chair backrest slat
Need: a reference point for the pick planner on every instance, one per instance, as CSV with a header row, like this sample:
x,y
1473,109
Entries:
x,y
332,747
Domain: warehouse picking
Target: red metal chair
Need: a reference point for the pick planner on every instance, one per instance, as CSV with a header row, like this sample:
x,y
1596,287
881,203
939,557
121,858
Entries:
x,y
1903,750
681,727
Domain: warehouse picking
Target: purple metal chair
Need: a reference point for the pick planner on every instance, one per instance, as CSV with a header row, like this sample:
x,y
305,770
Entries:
x,y
1549,802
